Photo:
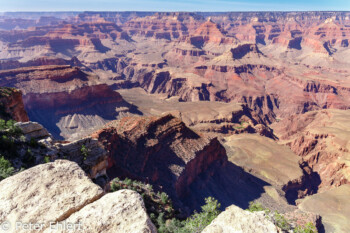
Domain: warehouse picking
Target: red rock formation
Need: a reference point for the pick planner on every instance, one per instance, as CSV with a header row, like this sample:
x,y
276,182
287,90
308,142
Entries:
x,y
159,150
41,61
65,94
163,25
318,140
11,105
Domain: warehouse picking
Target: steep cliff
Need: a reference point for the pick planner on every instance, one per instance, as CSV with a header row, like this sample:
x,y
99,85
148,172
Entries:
x,y
11,105
159,150
64,99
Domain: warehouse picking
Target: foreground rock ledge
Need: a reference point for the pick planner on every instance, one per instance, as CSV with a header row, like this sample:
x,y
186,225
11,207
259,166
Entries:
x,y
235,219
122,211
62,192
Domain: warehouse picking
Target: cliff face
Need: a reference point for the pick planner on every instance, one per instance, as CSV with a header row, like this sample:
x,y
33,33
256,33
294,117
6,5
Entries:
x,y
64,99
159,150
320,138
11,105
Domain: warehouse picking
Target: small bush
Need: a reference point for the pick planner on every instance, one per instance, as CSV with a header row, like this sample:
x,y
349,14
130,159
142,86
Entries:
x,y
46,159
308,228
10,128
159,208
255,206
198,221
164,197
281,222
84,151
29,158
128,182
6,168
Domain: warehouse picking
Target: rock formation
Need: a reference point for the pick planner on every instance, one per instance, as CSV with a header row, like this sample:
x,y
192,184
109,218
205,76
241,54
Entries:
x,y
159,150
63,194
234,219
11,105
64,99
320,139
122,211
32,130
203,116
62,181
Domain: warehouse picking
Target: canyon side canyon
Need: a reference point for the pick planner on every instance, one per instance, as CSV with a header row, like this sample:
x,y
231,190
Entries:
x,y
242,107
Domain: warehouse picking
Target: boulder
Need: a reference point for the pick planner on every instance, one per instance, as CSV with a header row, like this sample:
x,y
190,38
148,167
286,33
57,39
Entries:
x,y
33,130
59,197
93,160
122,211
46,193
235,219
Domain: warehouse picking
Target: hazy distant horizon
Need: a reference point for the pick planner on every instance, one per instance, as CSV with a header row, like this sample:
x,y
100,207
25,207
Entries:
x,y
172,5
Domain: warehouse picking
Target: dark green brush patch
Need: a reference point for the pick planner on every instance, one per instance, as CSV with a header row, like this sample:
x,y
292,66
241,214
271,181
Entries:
x,y
163,215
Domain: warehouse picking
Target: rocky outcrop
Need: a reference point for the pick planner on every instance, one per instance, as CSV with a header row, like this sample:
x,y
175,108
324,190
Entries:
x,y
41,61
123,211
57,190
11,105
33,130
234,219
159,150
88,153
56,194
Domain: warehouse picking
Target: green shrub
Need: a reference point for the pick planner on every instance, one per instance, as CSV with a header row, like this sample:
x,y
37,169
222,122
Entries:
x,y
308,228
29,158
164,197
281,222
9,127
84,151
6,168
198,221
159,208
256,206
2,124
128,182
46,159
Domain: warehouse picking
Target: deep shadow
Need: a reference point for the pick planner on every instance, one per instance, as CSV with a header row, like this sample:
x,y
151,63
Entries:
x,y
64,46
295,43
309,184
230,185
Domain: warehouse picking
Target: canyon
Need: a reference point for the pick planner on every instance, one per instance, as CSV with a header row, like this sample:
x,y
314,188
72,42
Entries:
x,y
250,106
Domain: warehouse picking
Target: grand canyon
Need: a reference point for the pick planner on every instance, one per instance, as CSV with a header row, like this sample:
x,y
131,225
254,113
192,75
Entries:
x,y
248,108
